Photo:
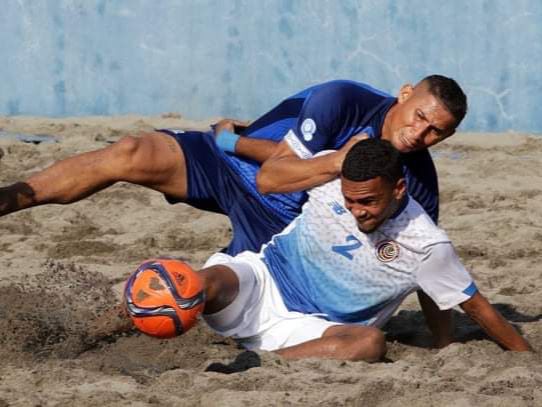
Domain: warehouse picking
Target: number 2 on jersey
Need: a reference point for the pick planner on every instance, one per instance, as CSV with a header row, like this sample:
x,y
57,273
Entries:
x,y
345,249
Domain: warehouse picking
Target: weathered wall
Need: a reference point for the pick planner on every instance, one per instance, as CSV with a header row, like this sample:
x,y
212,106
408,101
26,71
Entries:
x,y
240,57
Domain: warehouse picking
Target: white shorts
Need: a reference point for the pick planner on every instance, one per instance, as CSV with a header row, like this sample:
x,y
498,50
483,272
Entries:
x,y
258,318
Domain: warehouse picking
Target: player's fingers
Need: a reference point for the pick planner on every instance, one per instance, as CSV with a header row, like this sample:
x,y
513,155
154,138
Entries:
x,y
243,123
224,124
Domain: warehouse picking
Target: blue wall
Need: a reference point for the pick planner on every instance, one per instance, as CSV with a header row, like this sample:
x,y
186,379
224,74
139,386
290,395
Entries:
x,y
240,57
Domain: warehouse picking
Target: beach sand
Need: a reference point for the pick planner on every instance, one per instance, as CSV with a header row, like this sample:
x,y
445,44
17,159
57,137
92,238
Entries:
x,y
62,266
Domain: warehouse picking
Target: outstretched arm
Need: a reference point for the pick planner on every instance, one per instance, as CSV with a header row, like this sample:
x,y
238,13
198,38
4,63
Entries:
x,y
282,170
439,322
493,323
443,277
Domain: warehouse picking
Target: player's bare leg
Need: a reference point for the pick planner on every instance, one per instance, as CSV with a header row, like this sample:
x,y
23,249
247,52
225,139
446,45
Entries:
x,y
343,342
154,160
221,287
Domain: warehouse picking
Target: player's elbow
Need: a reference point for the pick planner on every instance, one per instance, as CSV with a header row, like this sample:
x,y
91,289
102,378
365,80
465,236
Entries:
x,y
375,348
265,182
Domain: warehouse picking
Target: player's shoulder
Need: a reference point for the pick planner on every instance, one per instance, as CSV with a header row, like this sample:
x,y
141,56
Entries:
x,y
420,159
331,188
326,201
415,227
420,168
421,221
346,89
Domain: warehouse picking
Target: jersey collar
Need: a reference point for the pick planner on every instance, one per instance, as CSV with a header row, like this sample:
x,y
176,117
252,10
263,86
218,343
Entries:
x,y
401,208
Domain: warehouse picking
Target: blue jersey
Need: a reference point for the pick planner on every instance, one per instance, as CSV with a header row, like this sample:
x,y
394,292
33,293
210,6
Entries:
x,y
323,264
325,117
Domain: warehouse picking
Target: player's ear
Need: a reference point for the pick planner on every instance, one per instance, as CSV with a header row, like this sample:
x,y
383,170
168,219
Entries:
x,y
405,92
400,189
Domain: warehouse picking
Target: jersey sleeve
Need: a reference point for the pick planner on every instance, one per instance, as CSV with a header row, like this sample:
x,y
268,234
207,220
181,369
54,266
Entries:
x,y
443,277
317,124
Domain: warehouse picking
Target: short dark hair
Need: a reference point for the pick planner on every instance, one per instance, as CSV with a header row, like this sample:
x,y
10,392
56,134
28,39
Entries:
x,y
372,158
449,93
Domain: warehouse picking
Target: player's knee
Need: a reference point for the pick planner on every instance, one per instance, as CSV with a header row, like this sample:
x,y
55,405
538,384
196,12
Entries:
x,y
369,346
148,160
126,150
377,345
222,287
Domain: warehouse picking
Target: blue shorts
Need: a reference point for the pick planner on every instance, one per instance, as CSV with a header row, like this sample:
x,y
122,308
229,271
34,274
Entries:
x,y
214,186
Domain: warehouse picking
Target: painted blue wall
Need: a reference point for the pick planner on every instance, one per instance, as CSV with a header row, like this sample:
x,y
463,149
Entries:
x,y
240,57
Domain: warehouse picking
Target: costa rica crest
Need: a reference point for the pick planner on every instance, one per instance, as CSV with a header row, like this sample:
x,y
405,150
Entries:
x,y
387,250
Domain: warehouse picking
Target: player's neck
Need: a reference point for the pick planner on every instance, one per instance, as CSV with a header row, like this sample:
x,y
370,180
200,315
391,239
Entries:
x,y
386,126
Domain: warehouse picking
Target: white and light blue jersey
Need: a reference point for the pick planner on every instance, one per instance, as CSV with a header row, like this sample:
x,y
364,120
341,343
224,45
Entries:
x,y
323,264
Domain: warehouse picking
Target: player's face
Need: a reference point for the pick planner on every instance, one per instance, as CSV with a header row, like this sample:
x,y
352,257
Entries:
x,y
418,120
372,202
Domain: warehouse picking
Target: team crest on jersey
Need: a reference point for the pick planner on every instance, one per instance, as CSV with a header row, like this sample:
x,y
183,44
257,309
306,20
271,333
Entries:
x,y
308,128
387,250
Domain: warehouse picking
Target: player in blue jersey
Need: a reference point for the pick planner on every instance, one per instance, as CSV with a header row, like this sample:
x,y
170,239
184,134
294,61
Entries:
x,y
224,176
325,285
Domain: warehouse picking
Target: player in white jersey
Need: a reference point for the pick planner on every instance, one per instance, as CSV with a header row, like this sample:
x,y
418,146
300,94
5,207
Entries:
x,y
326,284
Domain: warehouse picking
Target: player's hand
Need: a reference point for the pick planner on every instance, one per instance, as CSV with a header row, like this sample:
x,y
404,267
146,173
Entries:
x,y
232,125
439,343
341,153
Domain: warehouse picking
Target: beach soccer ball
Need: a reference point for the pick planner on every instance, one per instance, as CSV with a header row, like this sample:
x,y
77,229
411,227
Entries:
x,y
164,297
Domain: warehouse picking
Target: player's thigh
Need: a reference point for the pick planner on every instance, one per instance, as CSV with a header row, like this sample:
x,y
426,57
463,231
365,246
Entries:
x,y
293,328
151,159
360,332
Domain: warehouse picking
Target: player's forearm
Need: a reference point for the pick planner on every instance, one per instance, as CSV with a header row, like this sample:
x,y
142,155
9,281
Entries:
x,y
439,322
493,323
442,330
255,149
502,332
290,174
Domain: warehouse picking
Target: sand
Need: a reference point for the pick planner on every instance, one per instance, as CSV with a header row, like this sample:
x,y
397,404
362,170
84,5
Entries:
x,y
63,265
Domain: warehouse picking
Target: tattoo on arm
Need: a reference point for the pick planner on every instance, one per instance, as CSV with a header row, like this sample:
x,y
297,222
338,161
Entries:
x,y
15,197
